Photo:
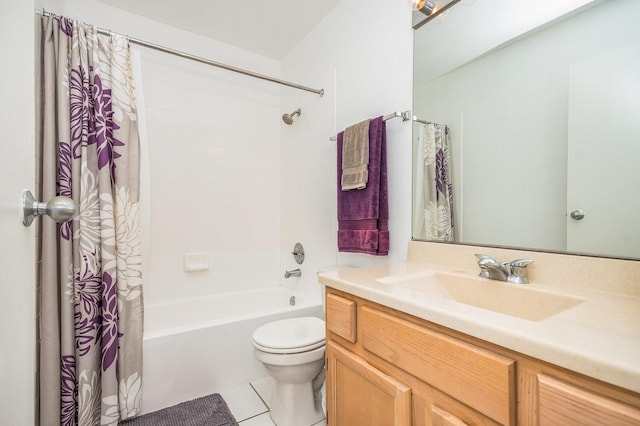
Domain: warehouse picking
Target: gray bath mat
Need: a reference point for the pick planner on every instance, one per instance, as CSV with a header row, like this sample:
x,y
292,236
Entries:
x,y
210,410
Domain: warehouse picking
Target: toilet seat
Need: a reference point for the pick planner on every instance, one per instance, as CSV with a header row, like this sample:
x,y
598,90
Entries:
x,y
290,336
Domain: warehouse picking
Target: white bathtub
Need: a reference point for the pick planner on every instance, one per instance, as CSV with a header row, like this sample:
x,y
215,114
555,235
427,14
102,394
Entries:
x,y
199,346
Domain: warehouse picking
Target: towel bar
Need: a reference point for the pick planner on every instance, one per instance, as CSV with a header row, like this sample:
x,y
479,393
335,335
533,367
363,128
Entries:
x,y
405,115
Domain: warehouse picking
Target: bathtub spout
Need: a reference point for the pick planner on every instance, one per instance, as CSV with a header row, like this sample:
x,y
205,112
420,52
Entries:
x,y
293,273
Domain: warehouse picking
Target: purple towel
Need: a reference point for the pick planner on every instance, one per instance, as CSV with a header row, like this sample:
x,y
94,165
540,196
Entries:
x,y
363,215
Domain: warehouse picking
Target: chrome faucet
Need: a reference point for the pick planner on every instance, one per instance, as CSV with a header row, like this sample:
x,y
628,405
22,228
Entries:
x,y
513,272
293,273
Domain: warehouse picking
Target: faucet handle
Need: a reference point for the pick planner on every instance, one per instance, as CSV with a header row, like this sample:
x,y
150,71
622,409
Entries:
x,y
518,271
481,256
521,263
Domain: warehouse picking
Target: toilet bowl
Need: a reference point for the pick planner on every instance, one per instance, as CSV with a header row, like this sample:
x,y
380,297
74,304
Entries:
x,y
292,351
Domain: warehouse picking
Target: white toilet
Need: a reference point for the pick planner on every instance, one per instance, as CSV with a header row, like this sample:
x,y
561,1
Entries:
x,y
292,351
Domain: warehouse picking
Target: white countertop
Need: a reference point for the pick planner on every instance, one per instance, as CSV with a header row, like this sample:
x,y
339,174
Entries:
x,y
599,337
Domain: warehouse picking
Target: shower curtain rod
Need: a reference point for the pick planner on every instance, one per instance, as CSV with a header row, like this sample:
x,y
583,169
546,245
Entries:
x,y
203,60
405,115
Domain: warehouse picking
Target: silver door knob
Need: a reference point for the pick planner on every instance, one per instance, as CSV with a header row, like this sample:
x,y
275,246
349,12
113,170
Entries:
x,y
577,215
60,209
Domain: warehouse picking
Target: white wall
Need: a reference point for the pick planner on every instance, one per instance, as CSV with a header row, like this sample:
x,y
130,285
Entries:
x,y
215,184
137,26
362,57
17,247
508,111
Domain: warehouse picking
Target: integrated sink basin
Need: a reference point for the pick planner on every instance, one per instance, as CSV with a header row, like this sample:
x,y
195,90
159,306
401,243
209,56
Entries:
x,y
516,300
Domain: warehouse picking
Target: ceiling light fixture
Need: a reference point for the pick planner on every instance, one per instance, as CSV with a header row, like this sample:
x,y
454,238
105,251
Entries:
x,y
425,6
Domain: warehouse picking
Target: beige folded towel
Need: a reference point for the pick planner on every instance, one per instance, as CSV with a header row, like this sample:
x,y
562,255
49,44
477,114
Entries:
x,y
355,156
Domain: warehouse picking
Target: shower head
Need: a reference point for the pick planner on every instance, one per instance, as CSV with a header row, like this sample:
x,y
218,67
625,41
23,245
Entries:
x,y
288,118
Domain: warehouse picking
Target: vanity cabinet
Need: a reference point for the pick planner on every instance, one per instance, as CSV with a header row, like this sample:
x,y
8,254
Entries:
x,y
360,394
385,367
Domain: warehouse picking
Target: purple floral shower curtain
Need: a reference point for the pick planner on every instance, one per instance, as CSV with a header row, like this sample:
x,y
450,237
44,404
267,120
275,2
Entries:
x,y
90,281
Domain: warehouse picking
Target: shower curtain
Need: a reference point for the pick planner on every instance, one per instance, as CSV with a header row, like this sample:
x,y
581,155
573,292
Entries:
x,y
89,270
433,193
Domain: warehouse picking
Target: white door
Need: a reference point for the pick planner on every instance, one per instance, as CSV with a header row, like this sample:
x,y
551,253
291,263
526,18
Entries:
x,y
17,243
604,154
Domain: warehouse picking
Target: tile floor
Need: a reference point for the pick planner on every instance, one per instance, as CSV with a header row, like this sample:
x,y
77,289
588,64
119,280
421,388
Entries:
x,y
249,403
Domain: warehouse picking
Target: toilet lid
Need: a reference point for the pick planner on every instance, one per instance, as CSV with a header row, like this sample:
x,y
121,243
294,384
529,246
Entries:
x,y
290,334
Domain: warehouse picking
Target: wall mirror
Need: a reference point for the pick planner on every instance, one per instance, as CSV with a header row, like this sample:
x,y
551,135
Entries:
x,y
542,108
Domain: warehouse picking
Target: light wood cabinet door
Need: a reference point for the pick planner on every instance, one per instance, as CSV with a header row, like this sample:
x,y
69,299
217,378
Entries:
x,y
358,394
441,417
562,404
431,407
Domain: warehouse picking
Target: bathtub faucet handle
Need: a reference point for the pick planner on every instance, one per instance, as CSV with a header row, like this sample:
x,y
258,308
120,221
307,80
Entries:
x,y
293,273
298,253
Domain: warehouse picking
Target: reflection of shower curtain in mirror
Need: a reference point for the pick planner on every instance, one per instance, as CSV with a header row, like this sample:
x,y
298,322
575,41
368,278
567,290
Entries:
x,y
433,193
